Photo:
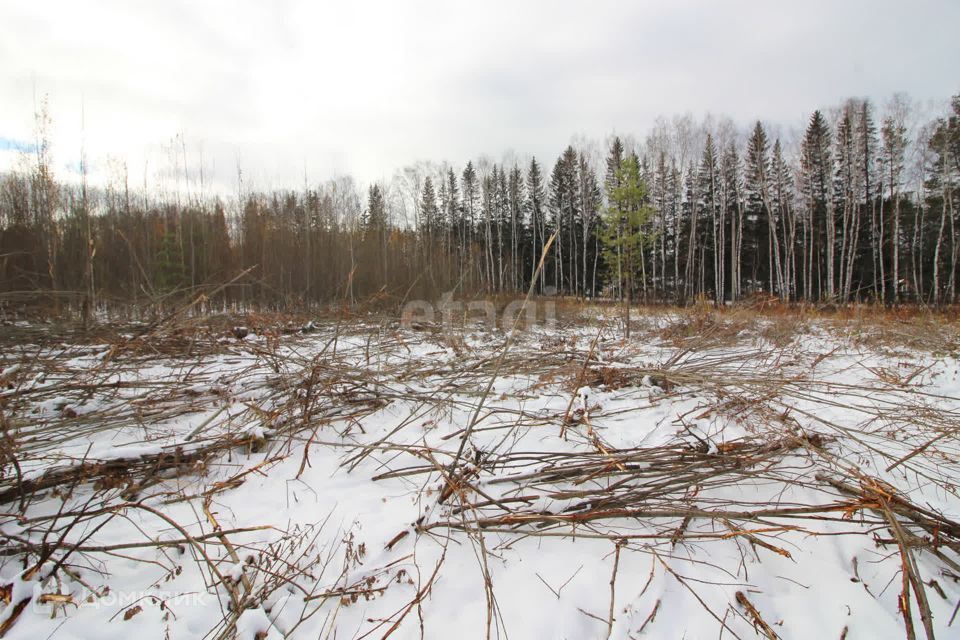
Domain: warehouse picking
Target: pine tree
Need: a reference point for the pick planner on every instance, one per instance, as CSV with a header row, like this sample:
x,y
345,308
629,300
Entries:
x,y
846,191
866,135
710,217
536,202
516,199
444,204
375,216
614,160
611,181
470,208
761,246
453,216
429,212
565,215
626,216
819,227
689,209
732,197
375,230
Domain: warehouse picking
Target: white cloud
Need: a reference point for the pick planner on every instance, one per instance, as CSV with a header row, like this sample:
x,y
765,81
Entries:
x,y
365,87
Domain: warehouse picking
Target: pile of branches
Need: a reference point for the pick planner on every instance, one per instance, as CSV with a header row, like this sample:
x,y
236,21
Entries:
x,y
264,398
654,498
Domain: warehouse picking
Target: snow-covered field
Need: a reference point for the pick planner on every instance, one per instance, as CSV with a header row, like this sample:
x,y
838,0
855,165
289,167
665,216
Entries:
x,y
714,476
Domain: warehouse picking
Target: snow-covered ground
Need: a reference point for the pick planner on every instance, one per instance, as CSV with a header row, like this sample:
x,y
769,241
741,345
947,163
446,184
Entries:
x,y
710,477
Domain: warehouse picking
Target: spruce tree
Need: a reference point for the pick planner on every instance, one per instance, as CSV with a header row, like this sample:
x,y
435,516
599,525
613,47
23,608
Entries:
x,y
429,212
375,217
536,203
761,255
846,188
625,218
710,231
614,160
470,190
819,227
688,235
866,140
516,198
565,214
732,196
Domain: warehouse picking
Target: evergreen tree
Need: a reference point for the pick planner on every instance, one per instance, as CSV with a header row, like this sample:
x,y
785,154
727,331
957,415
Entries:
x,y
846,191
761,252
471,199
470,207
866,139
614,160
565,215
855,213
819,227
375,216
626,216
688,233
518,235
429,211
452,211
710,221
502,220
732,198
454,217
536,202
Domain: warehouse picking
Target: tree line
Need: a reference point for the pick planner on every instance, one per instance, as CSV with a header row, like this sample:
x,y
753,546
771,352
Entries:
x,y
861,207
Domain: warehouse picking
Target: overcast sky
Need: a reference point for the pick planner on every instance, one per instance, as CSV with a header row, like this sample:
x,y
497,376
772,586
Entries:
x,y
367,87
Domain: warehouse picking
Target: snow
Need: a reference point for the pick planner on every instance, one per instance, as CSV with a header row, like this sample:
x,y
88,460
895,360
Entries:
x,y
329,516
235,572
9,372
253,624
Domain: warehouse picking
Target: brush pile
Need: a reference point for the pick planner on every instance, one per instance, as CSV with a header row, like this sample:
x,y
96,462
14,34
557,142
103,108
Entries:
x,y
718,473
